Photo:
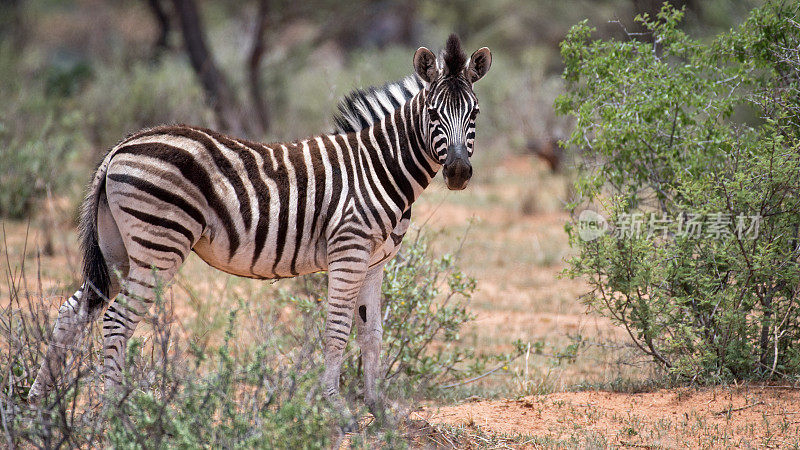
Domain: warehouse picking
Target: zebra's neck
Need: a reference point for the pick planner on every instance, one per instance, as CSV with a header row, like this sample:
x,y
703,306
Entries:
x,y
400,143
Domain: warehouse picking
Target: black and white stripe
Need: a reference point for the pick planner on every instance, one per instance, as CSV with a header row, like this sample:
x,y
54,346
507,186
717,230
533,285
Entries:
x,y
339,202
364,107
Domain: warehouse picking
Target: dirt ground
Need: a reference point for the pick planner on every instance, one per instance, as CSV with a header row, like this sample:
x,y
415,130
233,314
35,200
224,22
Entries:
x,y
744,417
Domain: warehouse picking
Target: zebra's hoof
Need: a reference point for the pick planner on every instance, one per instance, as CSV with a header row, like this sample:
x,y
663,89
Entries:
x,y
349,426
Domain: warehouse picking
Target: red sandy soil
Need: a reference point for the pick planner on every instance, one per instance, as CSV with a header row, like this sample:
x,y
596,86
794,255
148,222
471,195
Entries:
x,y
743,416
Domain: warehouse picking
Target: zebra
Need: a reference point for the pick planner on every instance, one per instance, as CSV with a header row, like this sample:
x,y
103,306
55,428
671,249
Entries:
x,y
337,202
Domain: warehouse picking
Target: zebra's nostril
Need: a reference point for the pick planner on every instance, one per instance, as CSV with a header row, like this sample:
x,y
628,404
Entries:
x,y
464,170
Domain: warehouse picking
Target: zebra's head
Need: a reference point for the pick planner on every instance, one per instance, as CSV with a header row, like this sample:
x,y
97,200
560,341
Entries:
x,y
451,106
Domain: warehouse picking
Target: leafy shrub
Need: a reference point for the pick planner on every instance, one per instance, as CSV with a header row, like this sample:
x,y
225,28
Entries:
x,y
124,98
230,394
682,133
29,166
261,397
66,79
39,137
425,303
258,386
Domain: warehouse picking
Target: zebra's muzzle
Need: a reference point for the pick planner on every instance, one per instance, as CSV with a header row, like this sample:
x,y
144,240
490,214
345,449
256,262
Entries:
x,y
457,169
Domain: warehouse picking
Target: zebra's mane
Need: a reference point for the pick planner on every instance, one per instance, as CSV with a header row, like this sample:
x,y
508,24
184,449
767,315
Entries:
x,y
364,107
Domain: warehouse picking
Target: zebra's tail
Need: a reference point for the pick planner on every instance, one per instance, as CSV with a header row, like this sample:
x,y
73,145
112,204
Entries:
x,y
96,277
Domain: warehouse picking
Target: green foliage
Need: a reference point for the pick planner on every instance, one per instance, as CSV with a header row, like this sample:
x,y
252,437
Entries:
x,y
29,166
67,79
257,385
38,139
125,98
230,394
425,303
241,401
677,129
50,121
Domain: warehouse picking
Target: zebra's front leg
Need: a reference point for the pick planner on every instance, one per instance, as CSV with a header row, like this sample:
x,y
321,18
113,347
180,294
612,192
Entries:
x,y
369,322
346,275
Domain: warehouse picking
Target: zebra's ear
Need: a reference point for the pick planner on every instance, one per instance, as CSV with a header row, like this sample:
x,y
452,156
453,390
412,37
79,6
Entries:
x,y
479,64
425,64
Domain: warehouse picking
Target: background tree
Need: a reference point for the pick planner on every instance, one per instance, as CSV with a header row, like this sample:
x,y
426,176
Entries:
x,y
232,117
164,25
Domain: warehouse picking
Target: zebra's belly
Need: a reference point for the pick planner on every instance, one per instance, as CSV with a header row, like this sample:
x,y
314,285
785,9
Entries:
x,y
269,262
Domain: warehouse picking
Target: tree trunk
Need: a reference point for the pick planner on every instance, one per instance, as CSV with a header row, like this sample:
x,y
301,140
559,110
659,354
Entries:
x,y
254,67
12,24
766,322
219,93
408,19
163,24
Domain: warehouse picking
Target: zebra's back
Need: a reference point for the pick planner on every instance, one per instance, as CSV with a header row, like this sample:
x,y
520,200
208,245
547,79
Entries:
x,y
246,208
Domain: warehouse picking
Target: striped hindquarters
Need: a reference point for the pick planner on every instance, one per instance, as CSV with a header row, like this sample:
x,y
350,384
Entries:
x,y
245,208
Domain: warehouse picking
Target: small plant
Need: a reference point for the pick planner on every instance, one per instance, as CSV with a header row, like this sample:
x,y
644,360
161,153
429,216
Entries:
x,y
173,394
39,137
218,396
425,304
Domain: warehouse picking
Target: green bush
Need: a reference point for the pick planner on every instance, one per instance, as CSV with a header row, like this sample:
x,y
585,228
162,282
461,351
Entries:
x,y
39,138
256,386
675,132
261,397
30,166
124,98
425,303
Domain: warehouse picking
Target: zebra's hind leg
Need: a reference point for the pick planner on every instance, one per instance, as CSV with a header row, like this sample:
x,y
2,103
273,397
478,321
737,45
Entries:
x,y
346,273
124,314
74,316
85,305
369,322
157,236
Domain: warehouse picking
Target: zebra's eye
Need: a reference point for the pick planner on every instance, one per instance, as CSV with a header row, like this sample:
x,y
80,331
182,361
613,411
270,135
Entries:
x,y
433,114
474,113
